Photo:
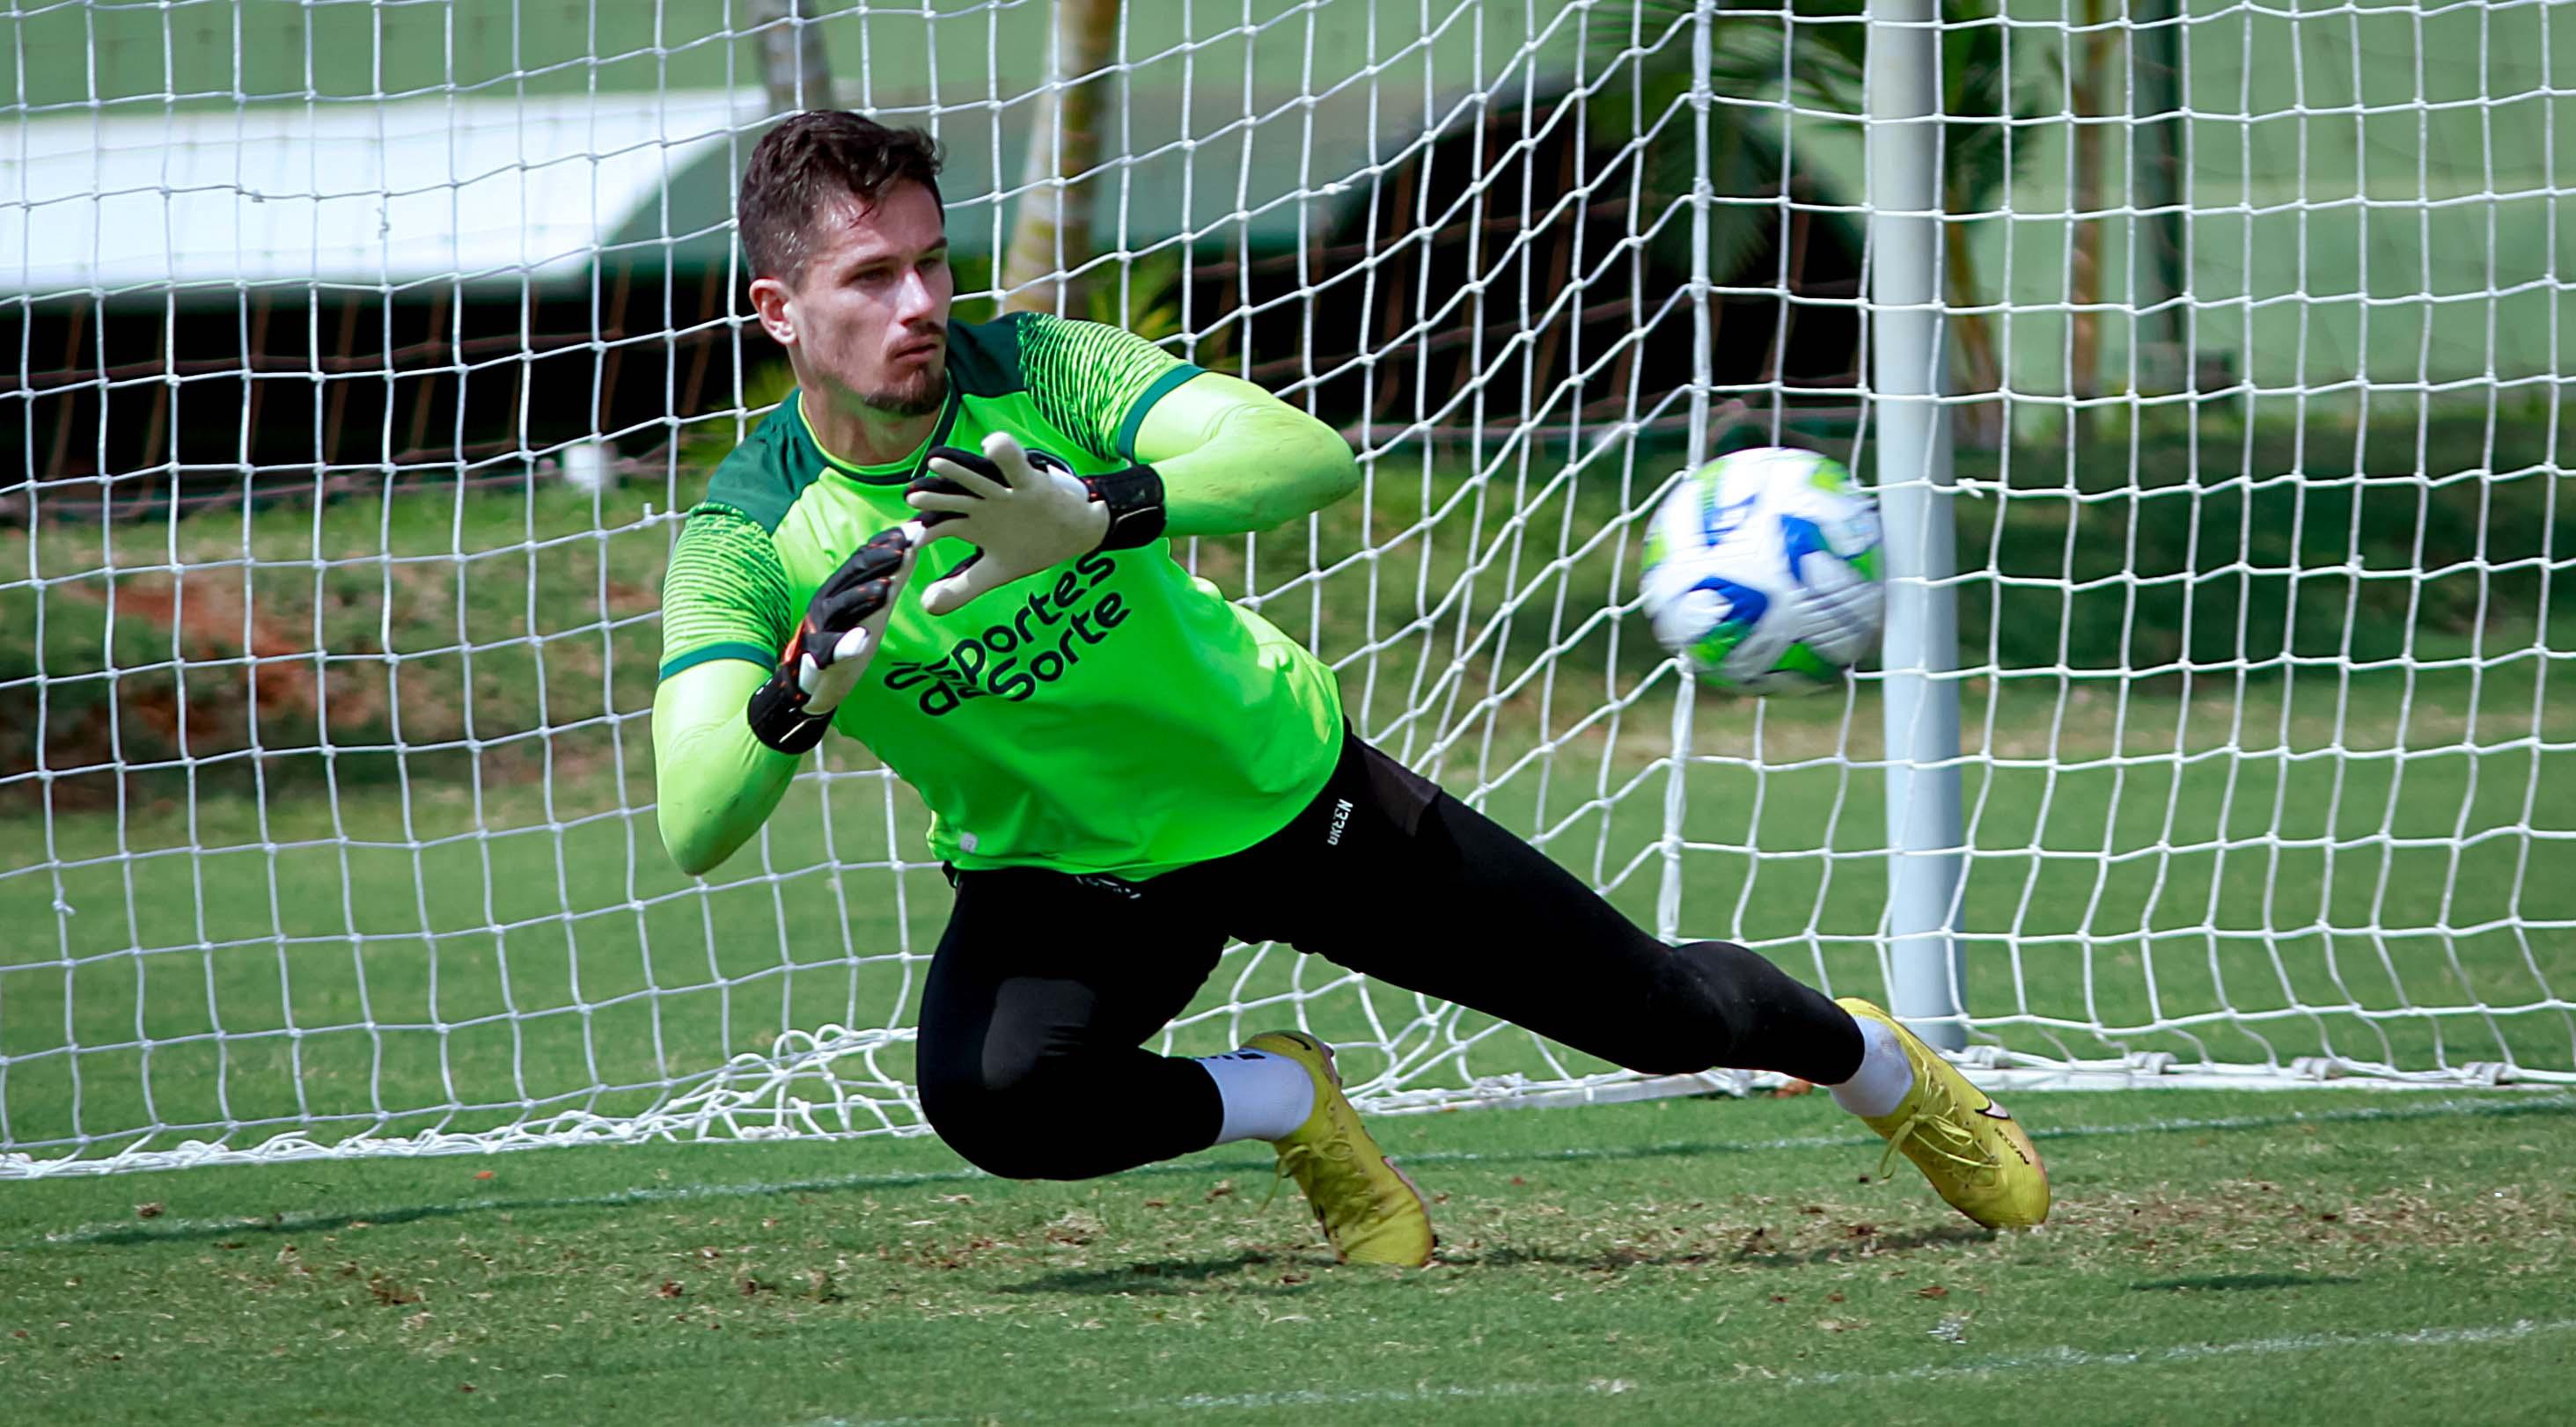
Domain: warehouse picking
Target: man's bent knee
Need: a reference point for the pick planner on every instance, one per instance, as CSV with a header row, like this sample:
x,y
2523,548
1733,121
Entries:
x,y
1014,1131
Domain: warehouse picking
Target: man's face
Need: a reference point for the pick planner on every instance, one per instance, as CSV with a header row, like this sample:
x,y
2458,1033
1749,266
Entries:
x,y
870,312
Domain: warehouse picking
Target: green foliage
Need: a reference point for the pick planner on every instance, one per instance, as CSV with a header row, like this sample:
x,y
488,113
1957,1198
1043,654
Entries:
x,y
1745,159
1142,297
1815,53
2318,542
515,617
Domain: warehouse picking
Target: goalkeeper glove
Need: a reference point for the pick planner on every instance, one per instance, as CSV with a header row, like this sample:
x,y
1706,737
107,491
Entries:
x,y
1022,518
843,624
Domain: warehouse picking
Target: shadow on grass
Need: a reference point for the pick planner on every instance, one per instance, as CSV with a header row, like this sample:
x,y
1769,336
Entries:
x,y
2236,1282
307,1221
1757,1249
1228,1271
228,1230
2488,1104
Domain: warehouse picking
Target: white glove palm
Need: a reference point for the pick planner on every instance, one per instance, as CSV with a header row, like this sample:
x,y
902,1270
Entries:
x,y
1019,517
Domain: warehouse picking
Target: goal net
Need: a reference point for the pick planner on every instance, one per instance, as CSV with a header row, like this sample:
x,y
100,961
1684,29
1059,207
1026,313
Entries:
x,y
2207,356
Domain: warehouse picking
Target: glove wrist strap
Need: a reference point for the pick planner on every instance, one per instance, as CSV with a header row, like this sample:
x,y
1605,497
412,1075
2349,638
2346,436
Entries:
x,y
1135,500
778,715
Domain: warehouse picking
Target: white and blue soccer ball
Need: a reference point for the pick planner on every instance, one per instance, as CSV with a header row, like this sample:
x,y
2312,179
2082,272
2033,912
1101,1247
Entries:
x,y
1762,572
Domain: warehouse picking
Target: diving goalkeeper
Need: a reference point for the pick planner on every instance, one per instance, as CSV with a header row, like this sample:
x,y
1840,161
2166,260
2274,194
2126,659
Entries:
x,y
952,542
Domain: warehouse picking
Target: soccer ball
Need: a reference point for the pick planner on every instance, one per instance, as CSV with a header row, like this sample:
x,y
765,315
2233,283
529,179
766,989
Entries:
x,y
1762,572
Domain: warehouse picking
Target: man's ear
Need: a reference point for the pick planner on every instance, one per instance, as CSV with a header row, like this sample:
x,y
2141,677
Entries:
x,y
769,300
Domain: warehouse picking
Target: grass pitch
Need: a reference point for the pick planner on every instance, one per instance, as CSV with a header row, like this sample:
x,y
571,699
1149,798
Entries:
x,y
2299,1257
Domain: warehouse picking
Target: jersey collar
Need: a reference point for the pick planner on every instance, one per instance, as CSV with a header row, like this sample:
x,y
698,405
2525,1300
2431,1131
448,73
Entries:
x,y
893,473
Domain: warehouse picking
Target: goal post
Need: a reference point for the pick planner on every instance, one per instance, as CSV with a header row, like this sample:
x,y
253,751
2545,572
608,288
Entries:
x,y
1908,367
2207,358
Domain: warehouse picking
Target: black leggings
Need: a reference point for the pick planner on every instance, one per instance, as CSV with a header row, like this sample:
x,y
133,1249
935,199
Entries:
x,y
1045,985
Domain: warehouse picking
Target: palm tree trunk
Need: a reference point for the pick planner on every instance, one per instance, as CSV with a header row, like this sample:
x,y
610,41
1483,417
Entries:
x,y
1984,420
1052,234
2084,275
793,66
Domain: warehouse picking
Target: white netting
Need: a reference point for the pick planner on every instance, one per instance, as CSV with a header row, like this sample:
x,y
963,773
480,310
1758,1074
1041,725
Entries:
x,y
363,352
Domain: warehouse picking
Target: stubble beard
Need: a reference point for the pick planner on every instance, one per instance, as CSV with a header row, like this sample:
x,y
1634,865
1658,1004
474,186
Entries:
x,y
918,395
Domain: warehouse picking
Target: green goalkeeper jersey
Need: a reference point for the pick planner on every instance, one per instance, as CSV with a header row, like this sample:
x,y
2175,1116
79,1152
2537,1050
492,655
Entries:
x,y
1114,714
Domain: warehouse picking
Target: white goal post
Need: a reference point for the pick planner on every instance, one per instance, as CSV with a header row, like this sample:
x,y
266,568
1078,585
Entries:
x,y
2206,355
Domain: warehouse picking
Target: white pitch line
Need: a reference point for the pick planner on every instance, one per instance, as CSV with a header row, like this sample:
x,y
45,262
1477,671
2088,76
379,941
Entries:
x,y
2058,1359
2418,1110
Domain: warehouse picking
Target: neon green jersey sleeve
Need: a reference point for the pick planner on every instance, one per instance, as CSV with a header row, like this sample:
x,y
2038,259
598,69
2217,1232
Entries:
x,y
714,784
725,595
1236,459
1094,382
1233,458
726,614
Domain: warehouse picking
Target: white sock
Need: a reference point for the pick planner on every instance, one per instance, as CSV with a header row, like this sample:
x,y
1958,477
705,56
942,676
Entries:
x,y
1879,1086
1266,1096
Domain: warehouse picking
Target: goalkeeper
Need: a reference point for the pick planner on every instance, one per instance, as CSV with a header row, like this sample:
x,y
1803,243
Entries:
x,y
952,543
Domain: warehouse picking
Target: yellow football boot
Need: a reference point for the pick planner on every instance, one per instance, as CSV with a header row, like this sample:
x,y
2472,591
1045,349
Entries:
x,y
1369,1210
1965,1143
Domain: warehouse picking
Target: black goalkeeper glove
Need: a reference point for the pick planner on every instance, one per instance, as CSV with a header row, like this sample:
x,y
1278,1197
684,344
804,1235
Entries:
x,y
843,624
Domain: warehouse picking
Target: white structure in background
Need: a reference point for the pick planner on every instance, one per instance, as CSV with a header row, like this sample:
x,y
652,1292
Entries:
x,y
439,190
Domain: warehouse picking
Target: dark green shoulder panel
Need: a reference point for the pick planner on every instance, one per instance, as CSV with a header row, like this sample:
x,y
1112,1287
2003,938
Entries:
x,y
984,357
1093,381
766,473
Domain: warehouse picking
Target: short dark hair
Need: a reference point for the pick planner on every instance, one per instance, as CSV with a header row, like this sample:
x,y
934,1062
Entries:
x,y
811,160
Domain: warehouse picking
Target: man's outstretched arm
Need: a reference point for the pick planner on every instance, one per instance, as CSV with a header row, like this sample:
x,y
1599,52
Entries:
x,y
716,783
1235,459
1212,455
746,688
726,616
1232,459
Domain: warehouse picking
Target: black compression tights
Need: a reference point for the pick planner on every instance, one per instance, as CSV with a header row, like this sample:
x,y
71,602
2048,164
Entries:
x,y
1045,985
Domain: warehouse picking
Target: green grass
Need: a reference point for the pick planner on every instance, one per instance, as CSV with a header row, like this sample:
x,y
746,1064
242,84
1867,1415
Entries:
x,y
394,953
2313,1257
